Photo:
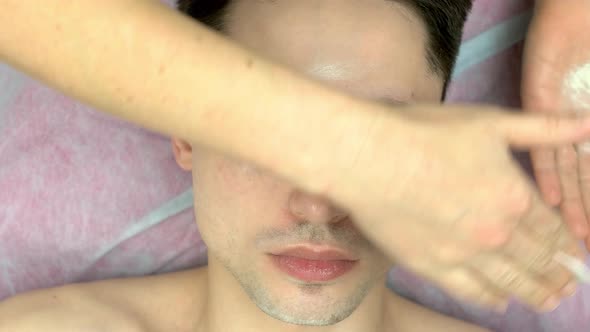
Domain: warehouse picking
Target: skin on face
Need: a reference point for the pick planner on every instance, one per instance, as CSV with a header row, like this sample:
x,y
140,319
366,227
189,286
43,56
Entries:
x,y
372,49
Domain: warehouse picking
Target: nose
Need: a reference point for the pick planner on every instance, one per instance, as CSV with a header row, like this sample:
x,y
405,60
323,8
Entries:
x,y
313,208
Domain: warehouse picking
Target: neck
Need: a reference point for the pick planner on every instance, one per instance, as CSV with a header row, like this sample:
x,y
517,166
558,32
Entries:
x,y
228,308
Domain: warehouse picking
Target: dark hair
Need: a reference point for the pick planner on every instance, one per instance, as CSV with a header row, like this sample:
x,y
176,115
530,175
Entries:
x,y
444,21
209,12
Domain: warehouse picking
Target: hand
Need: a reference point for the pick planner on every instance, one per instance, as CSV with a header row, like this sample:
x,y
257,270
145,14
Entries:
x,y
558,44
449,202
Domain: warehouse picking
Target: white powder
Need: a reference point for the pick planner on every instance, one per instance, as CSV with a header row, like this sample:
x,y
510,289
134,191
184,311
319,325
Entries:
x,y
576,88
576,93
330,71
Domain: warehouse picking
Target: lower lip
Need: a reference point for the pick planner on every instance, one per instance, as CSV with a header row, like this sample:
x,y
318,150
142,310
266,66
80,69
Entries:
x,y
312,270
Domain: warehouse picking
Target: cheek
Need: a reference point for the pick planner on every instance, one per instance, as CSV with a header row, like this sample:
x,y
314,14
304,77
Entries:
x,y
247,186
221,181
234,197
237,178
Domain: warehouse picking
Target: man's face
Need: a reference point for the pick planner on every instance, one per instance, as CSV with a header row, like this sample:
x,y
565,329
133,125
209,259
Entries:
x,y
299,258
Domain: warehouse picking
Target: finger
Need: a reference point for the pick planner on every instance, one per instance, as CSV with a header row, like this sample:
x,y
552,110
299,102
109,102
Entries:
x,y
572,206
544,223
535,255
465,285
584,179
541,219
545,169
491,228
534,130
546,228
509,277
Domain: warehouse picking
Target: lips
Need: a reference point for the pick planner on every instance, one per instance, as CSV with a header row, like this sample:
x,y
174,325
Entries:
x,y
314,264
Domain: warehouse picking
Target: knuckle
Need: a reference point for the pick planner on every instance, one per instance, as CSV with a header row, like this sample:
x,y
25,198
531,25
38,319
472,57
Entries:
x,y
567,157
517,200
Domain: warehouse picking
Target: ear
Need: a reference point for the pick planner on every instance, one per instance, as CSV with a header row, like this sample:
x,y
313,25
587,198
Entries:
x,y
183,153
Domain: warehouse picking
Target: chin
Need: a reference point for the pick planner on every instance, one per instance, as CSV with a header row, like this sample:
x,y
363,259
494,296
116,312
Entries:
x,y
320,315
308,304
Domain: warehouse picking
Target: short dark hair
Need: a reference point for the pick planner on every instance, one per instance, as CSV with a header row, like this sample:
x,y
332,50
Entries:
x,y
444,20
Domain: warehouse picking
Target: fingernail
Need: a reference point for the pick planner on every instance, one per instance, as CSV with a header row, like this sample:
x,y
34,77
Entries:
x,y
570,289
550,304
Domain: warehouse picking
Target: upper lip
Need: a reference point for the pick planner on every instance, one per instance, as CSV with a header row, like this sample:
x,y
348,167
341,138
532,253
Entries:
x,y
315,252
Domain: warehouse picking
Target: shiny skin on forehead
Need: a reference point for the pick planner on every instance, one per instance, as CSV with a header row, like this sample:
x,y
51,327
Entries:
x,y
372,48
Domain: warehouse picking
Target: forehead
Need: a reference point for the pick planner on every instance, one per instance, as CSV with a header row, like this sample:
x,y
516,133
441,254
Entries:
x,y
371,48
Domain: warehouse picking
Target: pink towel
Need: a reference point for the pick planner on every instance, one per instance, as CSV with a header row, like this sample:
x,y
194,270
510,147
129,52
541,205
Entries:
x,y
77,187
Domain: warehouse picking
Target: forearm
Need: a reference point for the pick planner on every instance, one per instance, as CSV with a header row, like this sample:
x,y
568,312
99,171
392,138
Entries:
x,y
148,64
136,59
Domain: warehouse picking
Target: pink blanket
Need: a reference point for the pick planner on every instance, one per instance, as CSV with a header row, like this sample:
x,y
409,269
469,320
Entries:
x,y
85,196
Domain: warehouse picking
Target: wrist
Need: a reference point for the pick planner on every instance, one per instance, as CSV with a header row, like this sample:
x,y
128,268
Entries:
x,y
331,140
312,133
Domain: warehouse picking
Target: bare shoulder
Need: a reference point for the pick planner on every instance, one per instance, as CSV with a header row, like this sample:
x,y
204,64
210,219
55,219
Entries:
x,y
66,309
119,305
411,317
